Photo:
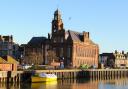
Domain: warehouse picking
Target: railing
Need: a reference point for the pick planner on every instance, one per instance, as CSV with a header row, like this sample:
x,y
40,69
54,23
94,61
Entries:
x,y
25,76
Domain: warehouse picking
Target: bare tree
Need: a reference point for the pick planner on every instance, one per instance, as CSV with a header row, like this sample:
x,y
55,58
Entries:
x,y
51,55
33,57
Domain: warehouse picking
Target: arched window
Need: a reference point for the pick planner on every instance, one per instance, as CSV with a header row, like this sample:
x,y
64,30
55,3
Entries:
x,y
68,51
62,40
54,40
61,52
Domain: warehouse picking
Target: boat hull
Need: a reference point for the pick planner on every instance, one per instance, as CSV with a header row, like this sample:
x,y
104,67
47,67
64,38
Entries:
x,y
42,79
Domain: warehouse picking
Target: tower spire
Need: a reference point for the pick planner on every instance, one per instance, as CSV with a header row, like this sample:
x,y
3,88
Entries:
x,y
57,15
57,23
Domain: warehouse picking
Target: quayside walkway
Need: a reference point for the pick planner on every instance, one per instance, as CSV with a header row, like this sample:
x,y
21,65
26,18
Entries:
x,y
25,76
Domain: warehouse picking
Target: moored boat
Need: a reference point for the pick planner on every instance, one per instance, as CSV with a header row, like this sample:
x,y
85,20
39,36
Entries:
x,y
43,77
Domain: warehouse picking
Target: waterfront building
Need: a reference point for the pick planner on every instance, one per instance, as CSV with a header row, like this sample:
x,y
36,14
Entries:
x,y
121,59
114,60
6,45
107,60
74,48
9,47
35,51
71,48
8,63
22,53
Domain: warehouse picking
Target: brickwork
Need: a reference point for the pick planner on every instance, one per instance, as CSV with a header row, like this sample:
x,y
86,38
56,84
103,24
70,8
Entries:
x,y
76,48
117,59
72,48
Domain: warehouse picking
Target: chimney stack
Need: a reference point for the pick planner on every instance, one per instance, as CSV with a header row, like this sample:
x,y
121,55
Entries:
x,y
85,36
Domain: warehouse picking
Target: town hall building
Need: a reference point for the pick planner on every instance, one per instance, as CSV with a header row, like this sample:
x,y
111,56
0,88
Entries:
x,y
71,47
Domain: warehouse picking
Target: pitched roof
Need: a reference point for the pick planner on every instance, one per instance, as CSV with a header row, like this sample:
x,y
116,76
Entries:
x,y
8,59
75,36
2,60
110,55
37,41
11,60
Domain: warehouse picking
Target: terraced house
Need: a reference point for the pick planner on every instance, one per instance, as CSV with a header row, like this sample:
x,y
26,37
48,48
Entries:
x,y
114,60
9,47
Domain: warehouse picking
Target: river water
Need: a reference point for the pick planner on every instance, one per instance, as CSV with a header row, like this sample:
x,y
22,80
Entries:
x,y
72,84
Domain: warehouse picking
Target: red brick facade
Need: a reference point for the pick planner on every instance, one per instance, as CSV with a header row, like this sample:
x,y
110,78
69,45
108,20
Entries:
x,y
75,48
85,54
71,48
8,67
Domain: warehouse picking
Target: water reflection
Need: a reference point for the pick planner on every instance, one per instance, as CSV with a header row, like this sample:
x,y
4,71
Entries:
x,y
10,86
71,84
79,84
46,85
113,84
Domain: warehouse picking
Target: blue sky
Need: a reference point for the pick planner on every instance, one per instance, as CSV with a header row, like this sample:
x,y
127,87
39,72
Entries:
x,y
106,20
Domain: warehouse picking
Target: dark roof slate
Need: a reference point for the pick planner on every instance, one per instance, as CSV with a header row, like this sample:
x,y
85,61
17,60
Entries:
x,y
75,36
37,41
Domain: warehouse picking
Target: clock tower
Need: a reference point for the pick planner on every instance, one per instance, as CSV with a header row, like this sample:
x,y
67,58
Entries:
x,y
57,23
57,34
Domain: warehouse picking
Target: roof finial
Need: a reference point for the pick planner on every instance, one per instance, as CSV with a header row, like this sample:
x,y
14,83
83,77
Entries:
x,y
57,7
57,11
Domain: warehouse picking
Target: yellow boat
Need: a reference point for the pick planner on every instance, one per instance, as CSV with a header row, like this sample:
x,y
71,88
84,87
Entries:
x,y
43,77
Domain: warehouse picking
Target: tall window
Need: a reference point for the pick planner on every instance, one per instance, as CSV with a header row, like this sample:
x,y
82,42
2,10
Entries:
x,y
61,52
54,40
68,51
62,40
54,49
